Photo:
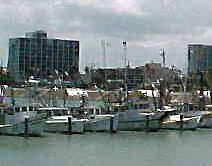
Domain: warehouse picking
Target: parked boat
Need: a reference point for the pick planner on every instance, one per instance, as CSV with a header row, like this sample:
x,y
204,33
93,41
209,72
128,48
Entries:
x,y
100,121
64,125
139,118
21,121
60,120
179,122
205,115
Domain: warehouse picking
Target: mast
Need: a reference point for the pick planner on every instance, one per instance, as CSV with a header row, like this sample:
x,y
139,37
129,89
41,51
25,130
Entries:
x,y
104,44
125,69
162,53
13,99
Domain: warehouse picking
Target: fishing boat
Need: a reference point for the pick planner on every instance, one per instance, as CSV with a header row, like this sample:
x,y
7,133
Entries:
x,y
21,121
139,118
179,122
100,122
61,120
205,117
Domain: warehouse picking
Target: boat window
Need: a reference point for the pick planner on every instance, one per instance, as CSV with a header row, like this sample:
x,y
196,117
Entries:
x,y
24,109
59,113
145,106
17,109
65,112
125,108
10,112
91,111
116,109
30,108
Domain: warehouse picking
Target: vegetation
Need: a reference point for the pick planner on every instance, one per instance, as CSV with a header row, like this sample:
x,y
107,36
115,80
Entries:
x,y
6,80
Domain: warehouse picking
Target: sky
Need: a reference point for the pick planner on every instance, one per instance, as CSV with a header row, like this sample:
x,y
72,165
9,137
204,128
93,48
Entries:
x,y
146,25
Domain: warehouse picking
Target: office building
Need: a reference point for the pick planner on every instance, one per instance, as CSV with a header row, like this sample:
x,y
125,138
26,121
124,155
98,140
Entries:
x,y
200,62
42,57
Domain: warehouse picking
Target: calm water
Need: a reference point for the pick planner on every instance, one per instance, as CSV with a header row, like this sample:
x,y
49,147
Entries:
x,y
104,149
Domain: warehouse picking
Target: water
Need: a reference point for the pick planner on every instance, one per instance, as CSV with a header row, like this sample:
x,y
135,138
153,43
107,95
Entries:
x,y
191,148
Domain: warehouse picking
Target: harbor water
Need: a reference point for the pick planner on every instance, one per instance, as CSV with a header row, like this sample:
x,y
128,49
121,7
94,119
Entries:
x,y
165,148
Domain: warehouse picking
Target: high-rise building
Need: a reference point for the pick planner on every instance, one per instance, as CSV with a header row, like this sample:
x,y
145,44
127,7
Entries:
x,y
200,62
39,56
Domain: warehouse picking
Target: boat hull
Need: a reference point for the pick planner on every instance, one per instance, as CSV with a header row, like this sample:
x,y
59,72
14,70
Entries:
x,y
191,124
32,128
205,121
134,121
139,125
102,124
77,126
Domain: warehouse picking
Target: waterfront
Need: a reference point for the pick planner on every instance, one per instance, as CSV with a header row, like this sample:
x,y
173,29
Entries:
x,y
121,149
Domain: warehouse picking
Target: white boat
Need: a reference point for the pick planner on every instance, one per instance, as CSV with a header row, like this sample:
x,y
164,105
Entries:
x,y
63,125
205,120
21,121
35,128
179,122
132,120
139,118
61,120
100,121
205,116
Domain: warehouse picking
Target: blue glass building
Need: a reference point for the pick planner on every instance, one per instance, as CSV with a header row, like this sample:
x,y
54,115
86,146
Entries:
x,y
39,56
200,61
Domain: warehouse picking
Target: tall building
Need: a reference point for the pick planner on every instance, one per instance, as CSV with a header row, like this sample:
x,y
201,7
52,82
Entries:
x,y
39,56
200,62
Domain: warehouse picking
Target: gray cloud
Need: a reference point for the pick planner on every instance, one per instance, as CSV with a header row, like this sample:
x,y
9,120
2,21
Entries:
x,y
168,24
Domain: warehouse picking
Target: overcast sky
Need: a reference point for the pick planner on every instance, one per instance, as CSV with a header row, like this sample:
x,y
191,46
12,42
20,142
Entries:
x,y
146,25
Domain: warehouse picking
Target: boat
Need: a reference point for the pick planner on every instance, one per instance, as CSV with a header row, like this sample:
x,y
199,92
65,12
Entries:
x,y
99,121
102,123
179,122
21,121
61,120
64,125
205,117
141,118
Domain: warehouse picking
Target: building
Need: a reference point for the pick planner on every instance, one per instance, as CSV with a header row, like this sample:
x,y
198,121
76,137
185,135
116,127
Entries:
x,y
200,63
135,77
42,57
116,76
